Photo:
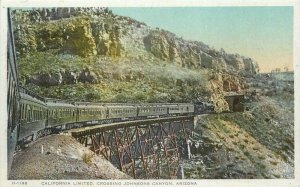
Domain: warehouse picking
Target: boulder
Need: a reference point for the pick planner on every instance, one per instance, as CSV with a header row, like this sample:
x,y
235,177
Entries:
x,y
87,76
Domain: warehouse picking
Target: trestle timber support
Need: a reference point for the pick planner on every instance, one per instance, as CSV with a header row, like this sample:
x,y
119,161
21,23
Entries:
x,y
148,149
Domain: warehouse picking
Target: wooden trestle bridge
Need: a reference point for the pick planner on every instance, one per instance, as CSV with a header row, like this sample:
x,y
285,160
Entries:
x,y
144,149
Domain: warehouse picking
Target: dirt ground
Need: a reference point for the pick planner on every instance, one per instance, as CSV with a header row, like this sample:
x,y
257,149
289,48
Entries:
x,y
61,157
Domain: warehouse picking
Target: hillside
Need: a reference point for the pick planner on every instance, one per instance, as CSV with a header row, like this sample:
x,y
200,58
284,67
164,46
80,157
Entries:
x,y
245,145
92,54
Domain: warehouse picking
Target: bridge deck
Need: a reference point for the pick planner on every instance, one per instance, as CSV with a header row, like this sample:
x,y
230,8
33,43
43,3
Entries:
x,y
89,130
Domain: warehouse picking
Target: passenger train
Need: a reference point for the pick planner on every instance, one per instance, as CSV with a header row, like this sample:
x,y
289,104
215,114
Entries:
x,y
39,116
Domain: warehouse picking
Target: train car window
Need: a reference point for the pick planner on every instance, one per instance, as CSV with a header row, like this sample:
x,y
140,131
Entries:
x,y
37,114
29,114
22,111
25,112
34,114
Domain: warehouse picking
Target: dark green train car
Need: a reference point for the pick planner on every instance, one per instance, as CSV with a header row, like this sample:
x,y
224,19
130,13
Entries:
x,y
60,112
90,111
122,112
152,110
33,115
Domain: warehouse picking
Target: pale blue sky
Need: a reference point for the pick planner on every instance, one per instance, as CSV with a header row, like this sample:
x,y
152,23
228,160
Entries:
x,y
263,33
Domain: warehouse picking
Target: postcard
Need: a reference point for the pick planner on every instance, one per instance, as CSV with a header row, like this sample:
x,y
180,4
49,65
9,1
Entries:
x,y
150,93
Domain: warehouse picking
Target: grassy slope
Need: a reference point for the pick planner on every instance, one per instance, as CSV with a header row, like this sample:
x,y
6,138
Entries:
x,y
119,80
258,145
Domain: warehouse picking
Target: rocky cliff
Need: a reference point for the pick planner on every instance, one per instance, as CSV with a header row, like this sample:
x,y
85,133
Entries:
x,y
82,45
